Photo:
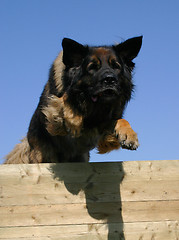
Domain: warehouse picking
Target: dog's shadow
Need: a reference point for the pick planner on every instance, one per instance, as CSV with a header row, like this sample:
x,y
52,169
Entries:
x,y
100,183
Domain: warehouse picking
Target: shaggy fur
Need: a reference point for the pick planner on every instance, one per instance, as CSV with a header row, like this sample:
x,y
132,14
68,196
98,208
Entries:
x,y
82,105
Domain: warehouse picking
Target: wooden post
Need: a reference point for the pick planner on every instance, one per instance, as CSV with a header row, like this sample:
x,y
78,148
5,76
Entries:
x,y
90,201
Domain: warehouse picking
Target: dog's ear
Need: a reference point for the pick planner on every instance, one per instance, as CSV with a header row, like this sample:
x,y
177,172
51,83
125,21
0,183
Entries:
x,y
129,49
73,52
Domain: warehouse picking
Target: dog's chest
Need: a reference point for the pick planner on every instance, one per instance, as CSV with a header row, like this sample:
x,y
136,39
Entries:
x,y
70,146
88,140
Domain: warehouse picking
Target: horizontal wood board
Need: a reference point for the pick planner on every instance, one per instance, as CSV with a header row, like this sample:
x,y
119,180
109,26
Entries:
x,y
119,200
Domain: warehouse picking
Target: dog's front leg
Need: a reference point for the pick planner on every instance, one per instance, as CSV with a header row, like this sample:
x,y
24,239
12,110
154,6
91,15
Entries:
x,y
123,136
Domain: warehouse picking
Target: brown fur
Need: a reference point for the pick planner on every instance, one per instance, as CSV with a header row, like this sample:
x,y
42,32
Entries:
x,y
58,70
82,105
20,153
123,133
61,119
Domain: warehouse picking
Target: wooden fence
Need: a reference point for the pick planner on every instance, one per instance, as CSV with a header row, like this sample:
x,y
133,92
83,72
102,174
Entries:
x,y
90,201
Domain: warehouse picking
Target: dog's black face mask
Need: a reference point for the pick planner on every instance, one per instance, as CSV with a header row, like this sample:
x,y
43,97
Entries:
x,y
105,71
99,76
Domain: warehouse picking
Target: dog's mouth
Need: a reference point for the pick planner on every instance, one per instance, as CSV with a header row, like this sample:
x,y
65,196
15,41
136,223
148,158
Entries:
x,y
106,94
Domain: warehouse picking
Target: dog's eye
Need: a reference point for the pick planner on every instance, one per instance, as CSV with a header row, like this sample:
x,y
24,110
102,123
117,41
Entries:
x,y
115,65
92,66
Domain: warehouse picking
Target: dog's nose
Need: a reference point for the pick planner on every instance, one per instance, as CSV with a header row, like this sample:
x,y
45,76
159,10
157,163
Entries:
x,y
109,80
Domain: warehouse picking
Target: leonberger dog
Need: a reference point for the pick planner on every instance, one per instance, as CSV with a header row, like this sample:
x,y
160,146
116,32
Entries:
x,y
82,105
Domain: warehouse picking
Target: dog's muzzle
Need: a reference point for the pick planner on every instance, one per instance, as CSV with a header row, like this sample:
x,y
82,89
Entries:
x,y
108,87
109,80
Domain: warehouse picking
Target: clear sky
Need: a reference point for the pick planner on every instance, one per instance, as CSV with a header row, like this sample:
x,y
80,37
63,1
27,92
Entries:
x,y
31,32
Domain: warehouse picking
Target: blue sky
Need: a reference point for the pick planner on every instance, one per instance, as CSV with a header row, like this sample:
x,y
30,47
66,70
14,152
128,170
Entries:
x,y
30,39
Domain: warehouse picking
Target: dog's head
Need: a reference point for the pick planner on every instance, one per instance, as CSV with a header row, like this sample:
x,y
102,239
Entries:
x,y
99,75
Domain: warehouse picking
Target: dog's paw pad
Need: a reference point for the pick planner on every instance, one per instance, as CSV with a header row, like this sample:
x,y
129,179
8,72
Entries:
x,y
130,146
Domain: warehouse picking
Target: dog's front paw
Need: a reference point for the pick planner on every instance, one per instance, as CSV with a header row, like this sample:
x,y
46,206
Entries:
x,y
127,137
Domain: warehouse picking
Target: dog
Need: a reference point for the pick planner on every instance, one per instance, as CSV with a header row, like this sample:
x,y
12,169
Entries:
x,y
82,105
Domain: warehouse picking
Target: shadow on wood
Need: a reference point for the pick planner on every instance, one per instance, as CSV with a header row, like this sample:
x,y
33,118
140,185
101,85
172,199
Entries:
x,y
90,201
100,204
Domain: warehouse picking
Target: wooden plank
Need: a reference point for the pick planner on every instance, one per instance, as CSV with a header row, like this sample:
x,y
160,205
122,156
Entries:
x,y
82,172
151,181
89,213
156,170
57,193
168,230
90,201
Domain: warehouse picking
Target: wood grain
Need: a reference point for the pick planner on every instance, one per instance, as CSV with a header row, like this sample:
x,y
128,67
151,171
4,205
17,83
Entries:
x,y
90,201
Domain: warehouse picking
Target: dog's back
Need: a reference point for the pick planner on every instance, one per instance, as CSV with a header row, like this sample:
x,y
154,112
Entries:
x,y
20,153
